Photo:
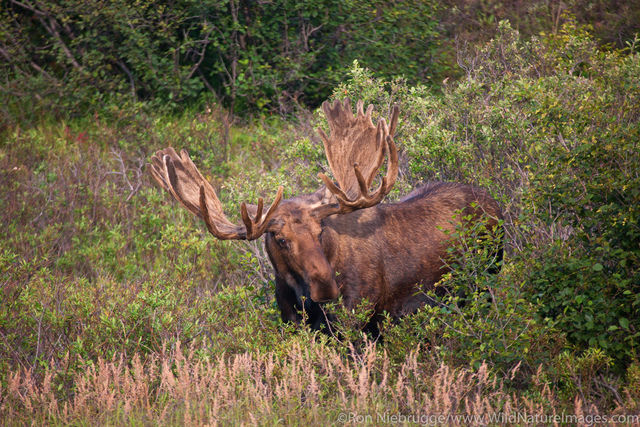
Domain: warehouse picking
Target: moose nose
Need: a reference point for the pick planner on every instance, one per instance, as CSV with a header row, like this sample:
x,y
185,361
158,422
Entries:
x,y
323,291
320,277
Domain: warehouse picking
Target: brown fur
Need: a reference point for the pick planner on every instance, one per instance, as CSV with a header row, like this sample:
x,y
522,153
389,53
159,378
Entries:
x,y
386,253
340,240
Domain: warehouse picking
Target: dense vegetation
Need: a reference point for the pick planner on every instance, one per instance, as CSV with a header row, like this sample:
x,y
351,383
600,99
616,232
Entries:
x,y
73,56
251,55
117,307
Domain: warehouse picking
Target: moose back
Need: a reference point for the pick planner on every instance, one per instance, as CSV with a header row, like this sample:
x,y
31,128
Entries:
x,y
341,240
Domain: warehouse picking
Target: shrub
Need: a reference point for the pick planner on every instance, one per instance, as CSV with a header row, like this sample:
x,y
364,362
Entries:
x,y
79,55
550,128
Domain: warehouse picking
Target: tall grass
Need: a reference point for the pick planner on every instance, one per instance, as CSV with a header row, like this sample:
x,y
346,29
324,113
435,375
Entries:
x,y
312,384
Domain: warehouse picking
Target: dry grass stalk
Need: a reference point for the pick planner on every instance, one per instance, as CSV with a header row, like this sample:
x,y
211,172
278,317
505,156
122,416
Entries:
x,y
312,384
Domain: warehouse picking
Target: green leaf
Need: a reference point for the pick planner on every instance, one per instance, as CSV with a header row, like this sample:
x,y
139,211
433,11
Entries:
x,y
624,323
597,267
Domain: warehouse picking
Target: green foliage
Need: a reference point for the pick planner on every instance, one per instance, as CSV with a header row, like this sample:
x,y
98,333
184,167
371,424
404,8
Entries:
x,y
477,315
582,374
612,22
95,261
79,55
73,56
550,127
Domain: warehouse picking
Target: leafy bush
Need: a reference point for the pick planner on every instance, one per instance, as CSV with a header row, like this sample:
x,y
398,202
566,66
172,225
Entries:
x,y
478,316
79,55
550,127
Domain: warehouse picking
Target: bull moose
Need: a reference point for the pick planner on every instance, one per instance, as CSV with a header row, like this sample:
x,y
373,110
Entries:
x,y
340,240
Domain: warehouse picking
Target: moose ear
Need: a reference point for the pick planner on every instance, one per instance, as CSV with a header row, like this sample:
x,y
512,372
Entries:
x,y
322,197
326,196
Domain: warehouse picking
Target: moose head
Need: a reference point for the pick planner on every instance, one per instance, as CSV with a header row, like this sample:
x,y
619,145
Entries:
x,y
355,149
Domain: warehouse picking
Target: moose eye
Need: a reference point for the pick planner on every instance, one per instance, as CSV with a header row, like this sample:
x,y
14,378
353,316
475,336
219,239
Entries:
x,y
282,243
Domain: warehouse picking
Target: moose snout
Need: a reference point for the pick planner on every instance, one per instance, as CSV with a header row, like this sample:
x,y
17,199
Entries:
x,y
324,292
322,285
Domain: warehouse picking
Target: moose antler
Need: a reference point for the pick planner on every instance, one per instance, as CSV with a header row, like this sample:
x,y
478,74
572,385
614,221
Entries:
x,y
355,150
179,176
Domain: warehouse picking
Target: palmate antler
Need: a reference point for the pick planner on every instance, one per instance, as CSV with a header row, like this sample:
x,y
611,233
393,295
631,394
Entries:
x,y
355,149
179,176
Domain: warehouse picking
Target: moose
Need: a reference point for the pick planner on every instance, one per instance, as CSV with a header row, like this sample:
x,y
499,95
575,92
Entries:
x,y
341,240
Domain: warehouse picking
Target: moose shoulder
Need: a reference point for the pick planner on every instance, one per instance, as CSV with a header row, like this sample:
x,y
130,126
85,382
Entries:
x,y
341,240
